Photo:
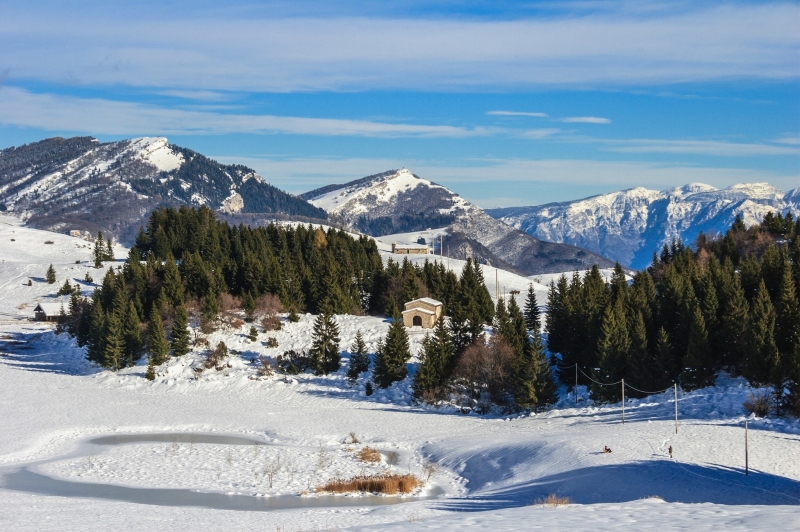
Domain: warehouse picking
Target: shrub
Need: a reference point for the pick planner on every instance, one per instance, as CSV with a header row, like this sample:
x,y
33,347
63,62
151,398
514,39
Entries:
x,y
368,388
761,404
293,362
272,342
484,373
265,368
553,501
215,357
267,307
368,454
386,484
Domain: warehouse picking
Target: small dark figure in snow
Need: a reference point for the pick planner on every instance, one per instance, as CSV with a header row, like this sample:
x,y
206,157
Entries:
x,y
606,449
670,451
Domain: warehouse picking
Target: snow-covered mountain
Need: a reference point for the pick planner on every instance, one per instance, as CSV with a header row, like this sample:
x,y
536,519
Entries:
x,y
80,183
398,201
630,224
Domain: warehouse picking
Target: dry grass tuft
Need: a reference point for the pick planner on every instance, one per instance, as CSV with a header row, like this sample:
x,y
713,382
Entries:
x,y
761,403
386,484
553,501
368,454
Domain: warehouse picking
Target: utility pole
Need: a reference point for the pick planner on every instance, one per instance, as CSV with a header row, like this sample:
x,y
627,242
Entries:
x,y
623,401
496,285
746,461
576,383
676,407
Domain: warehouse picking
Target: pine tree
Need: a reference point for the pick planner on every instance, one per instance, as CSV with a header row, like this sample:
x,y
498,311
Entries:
x,y
698,369
157,339
532,314
180,332
325,344
435,362
109,252
359,358
51,275
391,358
95,346
114,348
132,332
99,252
761,353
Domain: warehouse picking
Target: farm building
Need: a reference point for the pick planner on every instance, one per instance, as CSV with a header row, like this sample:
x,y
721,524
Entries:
x,y
410,249
49,311
422,312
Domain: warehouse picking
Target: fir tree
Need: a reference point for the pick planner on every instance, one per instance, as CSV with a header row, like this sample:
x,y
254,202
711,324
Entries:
x,y
787,319
761,353
359,358
325,344
698,369
660,372
132,332
612,353
435,363
172,285
109,252
150,374
114,348
532,314
50,275
180,332
391,358
95,346
639,362
157,339
99,251
253,334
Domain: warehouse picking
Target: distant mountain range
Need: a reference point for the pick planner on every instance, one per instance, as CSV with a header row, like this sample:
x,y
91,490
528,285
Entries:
x,y
398,201
80,183
629,225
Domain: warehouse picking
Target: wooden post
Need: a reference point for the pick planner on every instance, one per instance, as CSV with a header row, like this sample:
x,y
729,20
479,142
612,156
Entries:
x,y
623,401
576,383
746,458
676,407
496,285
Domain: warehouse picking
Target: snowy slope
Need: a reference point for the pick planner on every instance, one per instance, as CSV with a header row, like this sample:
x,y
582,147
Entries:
x,y
490,470
80,183
402,197
629,225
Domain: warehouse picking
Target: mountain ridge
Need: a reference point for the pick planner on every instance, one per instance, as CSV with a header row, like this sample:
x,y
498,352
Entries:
x,y
627,225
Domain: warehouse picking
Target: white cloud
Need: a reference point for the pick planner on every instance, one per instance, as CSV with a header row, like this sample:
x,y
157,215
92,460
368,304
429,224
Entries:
x,y
540,133
226,50
516,113
105,117
585,120
703,147
795,141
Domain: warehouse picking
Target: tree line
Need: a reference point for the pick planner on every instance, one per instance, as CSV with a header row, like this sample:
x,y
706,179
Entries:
x,y
727,303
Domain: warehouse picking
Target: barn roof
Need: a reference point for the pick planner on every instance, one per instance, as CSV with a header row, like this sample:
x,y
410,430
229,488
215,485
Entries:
x,y
52,309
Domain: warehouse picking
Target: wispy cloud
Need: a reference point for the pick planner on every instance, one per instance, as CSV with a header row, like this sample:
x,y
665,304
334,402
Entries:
x,y
795,141
585,120
233,50
516,113
19,107
199,95
703,147
540,133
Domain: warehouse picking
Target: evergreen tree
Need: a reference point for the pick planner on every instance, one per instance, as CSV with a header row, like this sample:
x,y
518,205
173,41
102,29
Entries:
x,y
180,332
99,251
109,252
391,358
171,284
132,332
114,348
761,353
359,358
787,307
50,275
150,373
639,360
253,334
95,346
325,344
502,323
660,373
435,363
698,368
532,314
157,339
612,353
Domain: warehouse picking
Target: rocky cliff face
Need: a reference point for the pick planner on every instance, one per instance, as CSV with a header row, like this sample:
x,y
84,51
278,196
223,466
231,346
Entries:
x,y
629,225
398,201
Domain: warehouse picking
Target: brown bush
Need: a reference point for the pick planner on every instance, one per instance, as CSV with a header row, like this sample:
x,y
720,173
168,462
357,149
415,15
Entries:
x,y
267,308
553,501
368,454
215,357
387,484
486,368
265,368
761,404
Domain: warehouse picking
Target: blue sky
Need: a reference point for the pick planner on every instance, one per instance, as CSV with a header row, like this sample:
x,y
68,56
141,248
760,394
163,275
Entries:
x,y
507,103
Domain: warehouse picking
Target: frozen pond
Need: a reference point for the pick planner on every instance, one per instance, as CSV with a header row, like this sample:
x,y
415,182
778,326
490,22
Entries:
x,y
32,482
